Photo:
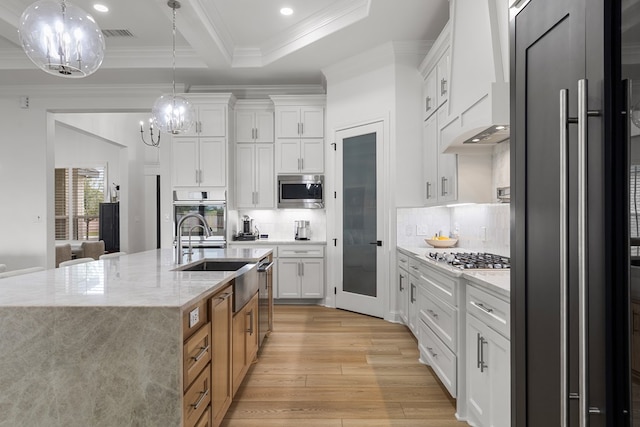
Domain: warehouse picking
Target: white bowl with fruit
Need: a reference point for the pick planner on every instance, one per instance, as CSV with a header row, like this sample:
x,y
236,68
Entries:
x,y
441,242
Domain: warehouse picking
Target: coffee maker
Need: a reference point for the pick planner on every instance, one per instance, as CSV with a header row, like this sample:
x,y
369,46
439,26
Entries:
x,y
302,230
247,229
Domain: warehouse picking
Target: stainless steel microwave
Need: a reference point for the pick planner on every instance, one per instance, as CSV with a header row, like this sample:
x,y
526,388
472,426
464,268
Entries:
x,y
301,191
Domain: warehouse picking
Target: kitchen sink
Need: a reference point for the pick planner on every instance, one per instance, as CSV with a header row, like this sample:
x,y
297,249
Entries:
x,y
208,265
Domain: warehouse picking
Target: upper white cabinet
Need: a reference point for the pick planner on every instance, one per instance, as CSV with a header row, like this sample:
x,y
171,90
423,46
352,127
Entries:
x,y
199,157
300,121
299,129
440,171
255,176
254,121
199,162
436,85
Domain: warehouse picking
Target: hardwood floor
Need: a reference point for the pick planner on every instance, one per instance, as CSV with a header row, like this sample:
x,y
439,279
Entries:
x,y
322,367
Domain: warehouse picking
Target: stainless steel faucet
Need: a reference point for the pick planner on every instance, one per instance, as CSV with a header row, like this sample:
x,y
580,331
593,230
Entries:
x,y
205,227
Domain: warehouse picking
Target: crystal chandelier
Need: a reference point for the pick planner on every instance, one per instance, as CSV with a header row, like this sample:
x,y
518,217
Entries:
x,y
61,39
172,113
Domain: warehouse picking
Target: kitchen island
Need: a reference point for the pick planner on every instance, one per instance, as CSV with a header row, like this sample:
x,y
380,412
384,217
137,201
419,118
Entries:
x,y
102,343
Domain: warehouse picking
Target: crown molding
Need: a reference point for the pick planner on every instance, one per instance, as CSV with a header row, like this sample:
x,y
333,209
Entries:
x,y
73,90
260,92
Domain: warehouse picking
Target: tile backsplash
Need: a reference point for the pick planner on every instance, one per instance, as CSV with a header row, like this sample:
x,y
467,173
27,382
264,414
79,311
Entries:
x,y
481,227
279,224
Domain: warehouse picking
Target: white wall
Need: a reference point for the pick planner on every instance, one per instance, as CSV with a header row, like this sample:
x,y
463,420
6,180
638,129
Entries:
x,y
27,161
378,85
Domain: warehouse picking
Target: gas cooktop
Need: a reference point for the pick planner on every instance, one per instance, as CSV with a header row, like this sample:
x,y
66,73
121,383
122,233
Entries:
x,y
471,260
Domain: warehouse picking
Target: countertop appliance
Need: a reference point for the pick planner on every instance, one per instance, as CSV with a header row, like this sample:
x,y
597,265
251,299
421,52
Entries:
x,y
301,191
248,231
265,298
212,206
302,230
471,260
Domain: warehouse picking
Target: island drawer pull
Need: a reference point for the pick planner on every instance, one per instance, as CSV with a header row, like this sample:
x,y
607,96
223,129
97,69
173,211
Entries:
x,y
225,296
432,313
203,394
203,351
434,355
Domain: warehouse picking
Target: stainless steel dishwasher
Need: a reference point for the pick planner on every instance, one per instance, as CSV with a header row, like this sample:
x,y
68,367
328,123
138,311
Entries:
x,y
265,298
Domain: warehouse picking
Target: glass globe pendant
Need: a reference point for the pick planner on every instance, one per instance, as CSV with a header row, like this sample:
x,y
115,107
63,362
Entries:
x,y
61,39
172,113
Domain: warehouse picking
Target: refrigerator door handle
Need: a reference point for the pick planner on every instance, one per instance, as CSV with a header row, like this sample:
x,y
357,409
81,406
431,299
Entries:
x,y
564,253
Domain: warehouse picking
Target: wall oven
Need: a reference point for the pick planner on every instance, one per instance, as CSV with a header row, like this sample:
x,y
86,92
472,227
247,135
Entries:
x,y
212,207
301,191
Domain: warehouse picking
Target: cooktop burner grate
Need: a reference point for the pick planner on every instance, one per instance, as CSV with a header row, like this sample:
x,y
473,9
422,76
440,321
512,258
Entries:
x,y
472,260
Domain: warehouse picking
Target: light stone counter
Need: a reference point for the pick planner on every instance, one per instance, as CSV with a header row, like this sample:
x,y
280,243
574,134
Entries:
x,y
274,242
495,280
100,344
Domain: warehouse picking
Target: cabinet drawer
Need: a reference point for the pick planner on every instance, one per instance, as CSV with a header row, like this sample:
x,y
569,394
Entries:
x,y
403,260
196,354
490,309
438,356
205,419
194,317
197,398
300,251
441,318
438,284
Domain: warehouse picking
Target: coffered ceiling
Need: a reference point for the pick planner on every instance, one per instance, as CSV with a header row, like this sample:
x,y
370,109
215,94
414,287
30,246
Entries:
x,y
230,42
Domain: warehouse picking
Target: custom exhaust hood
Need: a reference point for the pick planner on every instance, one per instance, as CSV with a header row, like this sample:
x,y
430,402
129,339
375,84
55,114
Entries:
x,y
479,99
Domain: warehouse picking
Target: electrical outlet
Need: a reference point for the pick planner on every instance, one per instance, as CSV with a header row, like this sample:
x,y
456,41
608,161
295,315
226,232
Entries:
x,y
483,234
421,230
194,317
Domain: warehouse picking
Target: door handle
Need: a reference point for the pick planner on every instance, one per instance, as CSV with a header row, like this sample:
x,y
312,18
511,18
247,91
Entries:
x,y
413,288
443,87
583,322
402,288
428,190
377,243
428,103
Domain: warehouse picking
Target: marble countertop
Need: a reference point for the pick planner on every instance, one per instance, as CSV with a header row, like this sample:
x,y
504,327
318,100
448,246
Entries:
x,y
496,280
144,279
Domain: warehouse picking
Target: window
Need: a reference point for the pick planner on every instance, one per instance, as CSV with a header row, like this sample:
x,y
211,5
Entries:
x,y
78,194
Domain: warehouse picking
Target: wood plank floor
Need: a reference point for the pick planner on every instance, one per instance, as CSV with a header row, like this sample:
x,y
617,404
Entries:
x,y
322,367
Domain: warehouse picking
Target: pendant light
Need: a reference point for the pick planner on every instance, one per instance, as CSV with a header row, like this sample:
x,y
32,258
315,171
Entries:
x,y
61,38
172,113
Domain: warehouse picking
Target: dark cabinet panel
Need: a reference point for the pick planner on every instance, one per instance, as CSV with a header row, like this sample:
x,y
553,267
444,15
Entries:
x,y
110,226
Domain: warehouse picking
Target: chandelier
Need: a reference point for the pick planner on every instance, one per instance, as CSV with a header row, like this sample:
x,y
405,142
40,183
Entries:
x,y
61,38
172,113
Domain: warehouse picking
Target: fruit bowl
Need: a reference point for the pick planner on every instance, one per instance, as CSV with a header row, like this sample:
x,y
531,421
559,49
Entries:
x,y
444,243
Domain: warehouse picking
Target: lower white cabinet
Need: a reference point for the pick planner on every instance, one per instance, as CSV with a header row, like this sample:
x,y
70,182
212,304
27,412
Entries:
x,y
488,367
301,271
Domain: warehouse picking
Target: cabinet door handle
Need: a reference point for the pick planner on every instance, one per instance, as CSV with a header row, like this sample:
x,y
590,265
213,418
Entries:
x,y
444,186
428,190
197,176
428,103
299,133
302,268
443,87
481,342
203,394
301,128
432,313
402,287
434,355
203,351
257,198
302,164
413,289
225,296
250,330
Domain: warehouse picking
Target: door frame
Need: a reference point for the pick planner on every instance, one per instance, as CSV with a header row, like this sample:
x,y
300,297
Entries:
x,y
334,216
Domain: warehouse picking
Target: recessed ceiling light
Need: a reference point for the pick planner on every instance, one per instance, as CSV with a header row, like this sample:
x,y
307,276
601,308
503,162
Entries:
x,y
286,11
101,8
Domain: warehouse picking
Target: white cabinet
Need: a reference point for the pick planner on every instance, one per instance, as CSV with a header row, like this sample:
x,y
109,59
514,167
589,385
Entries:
x,y
402,290
299,122
211,119
436,86
488,360
439,170
199,162
299,156
299,129
255,176
254,125
301,271
199,157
